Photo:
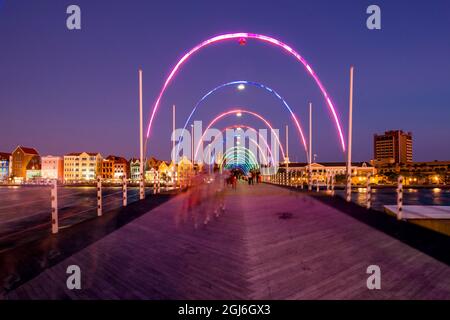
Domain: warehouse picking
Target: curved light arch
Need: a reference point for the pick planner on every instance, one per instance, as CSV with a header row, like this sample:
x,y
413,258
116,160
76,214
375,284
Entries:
x,y
248,154
258,85
256,143
240,157
235,111
263,38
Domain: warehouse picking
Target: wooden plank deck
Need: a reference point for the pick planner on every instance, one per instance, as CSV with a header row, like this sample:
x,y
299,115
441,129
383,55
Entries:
x,y
271,243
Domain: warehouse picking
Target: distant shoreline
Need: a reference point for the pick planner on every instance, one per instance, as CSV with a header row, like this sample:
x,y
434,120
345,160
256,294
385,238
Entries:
x,y
150,184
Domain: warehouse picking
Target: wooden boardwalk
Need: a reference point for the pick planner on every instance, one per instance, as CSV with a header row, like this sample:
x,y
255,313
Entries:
x,y
270,243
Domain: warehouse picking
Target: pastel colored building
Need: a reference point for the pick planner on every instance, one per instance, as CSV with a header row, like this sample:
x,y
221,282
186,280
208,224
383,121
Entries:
x,y
114,168
52,167
33,171
82,167
21,156
5,165
134,167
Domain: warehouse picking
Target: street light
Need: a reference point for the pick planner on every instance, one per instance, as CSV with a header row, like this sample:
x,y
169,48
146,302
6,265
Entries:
x,y
241,87
238,114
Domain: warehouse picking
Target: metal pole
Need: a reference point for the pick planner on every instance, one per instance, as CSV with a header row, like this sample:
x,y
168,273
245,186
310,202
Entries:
x,y
310,149
124,191
192,144
369,192
141,142
99,196
349,151
54,198
173,132
400,198
287,148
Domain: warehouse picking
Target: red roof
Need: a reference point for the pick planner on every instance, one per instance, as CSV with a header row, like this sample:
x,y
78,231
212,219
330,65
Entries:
x,y
4,155
28,150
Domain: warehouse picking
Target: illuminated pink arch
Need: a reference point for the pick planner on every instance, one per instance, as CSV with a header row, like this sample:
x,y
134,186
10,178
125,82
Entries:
x,y
252,36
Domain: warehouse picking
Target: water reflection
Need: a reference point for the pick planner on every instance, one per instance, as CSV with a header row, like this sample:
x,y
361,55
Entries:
x,y
388,196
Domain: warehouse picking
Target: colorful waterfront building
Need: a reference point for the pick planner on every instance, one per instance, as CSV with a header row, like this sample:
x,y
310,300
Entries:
x,y
134,167
20,157
320,171
5,165
114,168
82,167
33,172
52,167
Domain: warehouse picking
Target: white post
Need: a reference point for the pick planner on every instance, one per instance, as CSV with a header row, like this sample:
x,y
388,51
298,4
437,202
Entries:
x,y
99,196
141,142
317,185
333,181
159,181
349,151
369,192
400,198
154,181
301,180
124,191
310,149
173,132
287,148
54,198
192,144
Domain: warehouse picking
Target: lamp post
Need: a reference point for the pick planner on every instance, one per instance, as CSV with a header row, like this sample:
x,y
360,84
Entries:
x,y
310,149
141,142
349,151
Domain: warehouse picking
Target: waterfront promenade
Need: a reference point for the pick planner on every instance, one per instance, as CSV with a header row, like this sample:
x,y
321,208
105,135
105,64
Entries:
x,y
270,243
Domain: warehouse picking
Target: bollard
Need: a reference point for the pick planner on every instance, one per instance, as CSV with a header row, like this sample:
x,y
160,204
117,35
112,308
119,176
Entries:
x,y
54,197
317,185
310,180
369,192
124,191
159,182
141,187
400,198
301,180
348,189
333,181
99,196
328,181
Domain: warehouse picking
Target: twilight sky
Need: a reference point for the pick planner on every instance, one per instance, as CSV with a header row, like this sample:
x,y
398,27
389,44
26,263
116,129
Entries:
x,y
64,91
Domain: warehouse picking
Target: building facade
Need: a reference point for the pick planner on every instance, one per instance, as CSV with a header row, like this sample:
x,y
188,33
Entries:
x,y
114,168
418,173
33,172
393,146
82,167
134,167
5,165
52,167
21,156
320,171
